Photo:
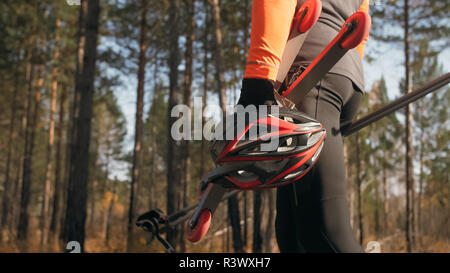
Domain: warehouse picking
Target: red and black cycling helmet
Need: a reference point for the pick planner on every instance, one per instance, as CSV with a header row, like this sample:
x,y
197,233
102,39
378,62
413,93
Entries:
x,y
243,164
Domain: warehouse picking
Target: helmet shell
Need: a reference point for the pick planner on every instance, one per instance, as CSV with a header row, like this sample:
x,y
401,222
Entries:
x,y
283,149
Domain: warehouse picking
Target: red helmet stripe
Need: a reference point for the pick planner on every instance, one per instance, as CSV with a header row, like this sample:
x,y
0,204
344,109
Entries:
x,y
308,153
252,184
250,158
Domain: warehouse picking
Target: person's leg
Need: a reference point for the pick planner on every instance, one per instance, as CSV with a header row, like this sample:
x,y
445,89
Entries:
x,y
322,218
297,221
285,227
333,187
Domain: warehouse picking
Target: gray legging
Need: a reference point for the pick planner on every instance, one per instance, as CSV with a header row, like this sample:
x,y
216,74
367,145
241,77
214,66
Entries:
x,y
316,218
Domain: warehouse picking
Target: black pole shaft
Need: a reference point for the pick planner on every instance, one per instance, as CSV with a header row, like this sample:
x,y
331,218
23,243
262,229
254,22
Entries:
x,y
398,103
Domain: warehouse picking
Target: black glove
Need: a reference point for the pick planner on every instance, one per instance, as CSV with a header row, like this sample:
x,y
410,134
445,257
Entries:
x,y
257,92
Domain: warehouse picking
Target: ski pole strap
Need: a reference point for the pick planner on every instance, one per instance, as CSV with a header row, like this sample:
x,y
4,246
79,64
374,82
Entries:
x,y
150,222
169,248
397,104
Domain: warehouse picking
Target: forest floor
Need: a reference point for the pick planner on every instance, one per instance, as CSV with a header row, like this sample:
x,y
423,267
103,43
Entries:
x,y
95,243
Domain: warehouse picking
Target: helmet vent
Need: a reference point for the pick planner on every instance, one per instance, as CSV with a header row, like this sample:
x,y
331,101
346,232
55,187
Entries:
x,y
296,173
315,138
244,176
316,154
287,144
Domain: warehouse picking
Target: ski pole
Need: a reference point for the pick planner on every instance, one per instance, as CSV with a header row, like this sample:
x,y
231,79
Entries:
x,y
180,216
397,104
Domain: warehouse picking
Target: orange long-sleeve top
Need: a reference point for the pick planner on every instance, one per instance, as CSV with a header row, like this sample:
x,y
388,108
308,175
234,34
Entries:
x,y
271,22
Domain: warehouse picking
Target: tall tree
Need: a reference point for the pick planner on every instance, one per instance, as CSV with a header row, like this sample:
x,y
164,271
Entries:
x,y
173,165
17,193
358,189
32,120
77,192
6,198
271,205
235,222
205,42
233,211
218,54
51,137
74,109
187,94
409,183
155,130
425,67
57,188
257,211
137,154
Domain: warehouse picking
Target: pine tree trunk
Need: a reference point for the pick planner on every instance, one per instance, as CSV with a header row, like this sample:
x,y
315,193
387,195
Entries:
x,y
408,136
218,54
23,219
173,164
234,217
152,203
91,197
225,231
109,216
271,194
15,210
137,154
105,183
359,193
245,204
377,209
51,137
257,238
32,120
78,180
93,185
351,193
56,211
74,111
188,75
352,206
205,86
421,176
227,244
20,146
6,199
385,202
220,81
154,146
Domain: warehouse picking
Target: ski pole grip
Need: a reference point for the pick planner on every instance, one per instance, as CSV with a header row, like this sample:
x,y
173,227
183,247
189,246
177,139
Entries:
x,y
313,9
359,26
